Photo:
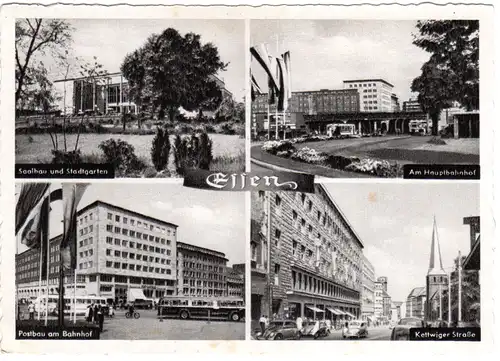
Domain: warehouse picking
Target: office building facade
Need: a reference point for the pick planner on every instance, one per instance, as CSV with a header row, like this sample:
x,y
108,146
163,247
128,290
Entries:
x,y
368,293
306,258
374,94
200,271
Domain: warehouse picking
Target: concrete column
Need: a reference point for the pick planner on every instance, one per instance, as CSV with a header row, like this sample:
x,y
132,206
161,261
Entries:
x,y
470,127
375,126
455,127
359,127
302,309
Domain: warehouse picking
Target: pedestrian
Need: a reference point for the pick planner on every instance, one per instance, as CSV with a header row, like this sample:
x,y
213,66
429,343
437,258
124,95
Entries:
x,y
111,311
87,313
94,311
262,323
299,323
31,310
100,317
91,312
267,321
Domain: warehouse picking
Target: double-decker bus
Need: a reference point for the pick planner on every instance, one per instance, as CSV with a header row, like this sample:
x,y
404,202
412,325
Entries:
x,y
213,308
82,302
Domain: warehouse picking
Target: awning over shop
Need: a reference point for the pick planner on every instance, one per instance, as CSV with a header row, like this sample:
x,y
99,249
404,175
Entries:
x,y
335,311
370,318
350,314
315,309
136,294
340,312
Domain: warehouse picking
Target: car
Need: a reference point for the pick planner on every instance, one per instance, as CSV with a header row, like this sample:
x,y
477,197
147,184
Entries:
x,y
143,304
402,330
356,329
280,330
315,329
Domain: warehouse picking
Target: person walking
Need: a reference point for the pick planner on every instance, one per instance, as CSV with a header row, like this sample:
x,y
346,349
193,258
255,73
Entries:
x,y
111,311
87,314
262,323
31,310
100,317
91,313
94,311
299,323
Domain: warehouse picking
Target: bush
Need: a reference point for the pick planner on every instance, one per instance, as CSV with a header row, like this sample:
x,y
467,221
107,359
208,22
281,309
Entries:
x,y
160,149
436,141
66,157
122,155
275,146
193,151
227,128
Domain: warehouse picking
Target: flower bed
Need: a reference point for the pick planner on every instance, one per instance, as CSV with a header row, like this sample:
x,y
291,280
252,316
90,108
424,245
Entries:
x,y
380,168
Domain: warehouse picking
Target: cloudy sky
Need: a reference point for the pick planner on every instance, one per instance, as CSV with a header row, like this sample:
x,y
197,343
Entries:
x,y
110,40
326,52
395,223
212,220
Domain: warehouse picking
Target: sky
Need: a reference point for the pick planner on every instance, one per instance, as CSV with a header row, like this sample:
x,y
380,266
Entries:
x,y
214,220
394,221
325,52
112,39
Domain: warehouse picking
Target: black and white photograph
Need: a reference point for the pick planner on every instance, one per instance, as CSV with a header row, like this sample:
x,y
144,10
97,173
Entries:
x,y
133,262
364,98
365,261
151,98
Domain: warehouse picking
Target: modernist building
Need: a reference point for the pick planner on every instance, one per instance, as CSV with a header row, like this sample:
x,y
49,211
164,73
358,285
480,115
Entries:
x,y
306,257
28,273
235,282
382,309
368,292
416,303
374,94
395,107
200,271
107,94
303,102
436,280
411,105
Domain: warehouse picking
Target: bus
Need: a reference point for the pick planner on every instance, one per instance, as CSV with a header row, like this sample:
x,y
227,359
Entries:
x,y
82,302
344,129
419,127
213,308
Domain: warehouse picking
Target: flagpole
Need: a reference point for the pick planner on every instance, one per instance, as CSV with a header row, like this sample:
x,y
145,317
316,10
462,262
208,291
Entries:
x,y
449,299
268,121
276,111
459,286
286,95
47,242
74,297
40,278
61,278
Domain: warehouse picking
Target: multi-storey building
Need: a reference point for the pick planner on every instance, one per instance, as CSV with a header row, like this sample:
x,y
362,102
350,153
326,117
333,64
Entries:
x,y
378,308
306,257
396,311
374,94
235,281
200,271
104,94
395,103
386,305
368,292
28,273
411,105
416,303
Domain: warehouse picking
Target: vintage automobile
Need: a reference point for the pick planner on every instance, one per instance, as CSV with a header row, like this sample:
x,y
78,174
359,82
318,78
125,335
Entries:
x,y
315,329
280,330
356,329
402,330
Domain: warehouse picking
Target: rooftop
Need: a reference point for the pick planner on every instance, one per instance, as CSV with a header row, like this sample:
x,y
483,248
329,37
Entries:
x,y
365,80
190,247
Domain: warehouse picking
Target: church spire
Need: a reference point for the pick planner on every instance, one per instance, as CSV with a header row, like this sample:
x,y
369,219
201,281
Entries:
x,y
435,262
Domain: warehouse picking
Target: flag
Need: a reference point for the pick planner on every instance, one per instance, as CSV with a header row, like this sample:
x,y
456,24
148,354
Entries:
x,y
255,88
260,54
288,70
55,195
282,92
273,90
72,194
32,231
30,197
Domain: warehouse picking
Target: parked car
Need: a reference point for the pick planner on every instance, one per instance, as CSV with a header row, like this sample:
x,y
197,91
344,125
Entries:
x,y
280,330
315,329
402,330
356,329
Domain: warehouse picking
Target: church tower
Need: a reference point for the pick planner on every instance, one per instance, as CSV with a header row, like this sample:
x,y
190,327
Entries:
x,y
436,280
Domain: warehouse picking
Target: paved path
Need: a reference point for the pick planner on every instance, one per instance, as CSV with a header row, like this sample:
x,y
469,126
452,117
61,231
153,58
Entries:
x,y
148,327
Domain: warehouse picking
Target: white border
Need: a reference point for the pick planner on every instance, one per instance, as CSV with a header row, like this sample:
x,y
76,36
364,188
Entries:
x,y
303,348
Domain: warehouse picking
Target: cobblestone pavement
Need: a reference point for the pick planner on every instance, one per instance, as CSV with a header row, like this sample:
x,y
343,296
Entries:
x,y
148,327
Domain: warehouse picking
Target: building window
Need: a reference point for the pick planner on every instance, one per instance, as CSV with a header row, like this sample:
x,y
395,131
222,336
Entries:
x,y
110,216
108,252
117,218
125,220
277,235
294,247
278,201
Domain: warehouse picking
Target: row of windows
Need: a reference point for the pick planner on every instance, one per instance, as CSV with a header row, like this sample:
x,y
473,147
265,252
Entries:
x,y
203,267
203,275
138,256
85,265
140,224
310,284
369,96
87,241
87,230
362,85
140,246
203,258
369,90
199,292
138,235
87,218
137,267
199,283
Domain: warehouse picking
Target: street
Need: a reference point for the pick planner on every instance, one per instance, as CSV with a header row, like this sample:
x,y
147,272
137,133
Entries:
x,y
374,333
149,327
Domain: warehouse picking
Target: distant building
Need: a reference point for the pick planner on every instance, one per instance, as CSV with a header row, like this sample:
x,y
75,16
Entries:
x,y
200,271
235,281
368,292
412,105
395,103
436,280
415,303
396,311
386,305
374,94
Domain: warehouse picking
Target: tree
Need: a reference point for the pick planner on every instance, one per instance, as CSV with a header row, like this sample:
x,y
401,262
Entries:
x,y
454,48
37,36
434,88
171,71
